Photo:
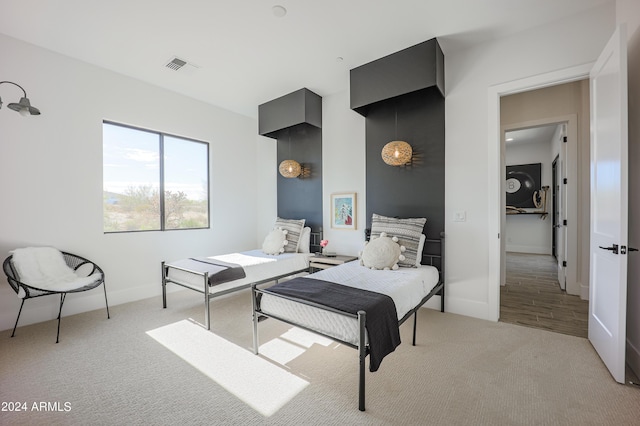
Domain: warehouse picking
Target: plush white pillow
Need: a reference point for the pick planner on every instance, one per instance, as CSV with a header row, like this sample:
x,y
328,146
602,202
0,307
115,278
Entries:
x,y
275,242
382,253
305,241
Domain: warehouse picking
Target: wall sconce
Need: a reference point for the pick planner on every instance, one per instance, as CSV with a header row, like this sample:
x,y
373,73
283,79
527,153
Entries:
x,y
291,168
24,106
397,153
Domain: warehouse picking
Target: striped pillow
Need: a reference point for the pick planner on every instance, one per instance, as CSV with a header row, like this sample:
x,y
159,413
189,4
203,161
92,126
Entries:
x,y
294,231
408,232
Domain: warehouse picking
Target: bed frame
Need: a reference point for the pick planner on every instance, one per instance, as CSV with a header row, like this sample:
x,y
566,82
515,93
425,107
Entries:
x,y
314,245
436,260
206,291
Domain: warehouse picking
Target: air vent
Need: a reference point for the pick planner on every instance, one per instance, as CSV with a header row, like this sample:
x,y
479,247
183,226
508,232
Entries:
x,y
175,64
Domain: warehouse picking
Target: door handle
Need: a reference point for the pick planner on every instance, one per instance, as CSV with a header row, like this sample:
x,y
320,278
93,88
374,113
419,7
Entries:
x,y
613,248
632,249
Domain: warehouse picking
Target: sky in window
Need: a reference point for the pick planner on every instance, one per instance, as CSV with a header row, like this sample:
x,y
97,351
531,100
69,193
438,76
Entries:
x,y
131,158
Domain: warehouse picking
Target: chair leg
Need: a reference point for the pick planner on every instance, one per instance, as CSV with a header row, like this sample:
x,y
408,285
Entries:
x,y
104,287
62,297
19,312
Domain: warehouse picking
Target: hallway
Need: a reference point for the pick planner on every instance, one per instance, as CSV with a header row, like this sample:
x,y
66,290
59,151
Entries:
x,y
532,297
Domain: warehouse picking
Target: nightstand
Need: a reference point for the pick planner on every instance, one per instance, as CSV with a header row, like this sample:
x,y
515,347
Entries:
x,y
318,262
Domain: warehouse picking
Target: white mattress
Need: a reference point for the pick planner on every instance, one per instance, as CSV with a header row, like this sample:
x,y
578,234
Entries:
x,y
257,266
406,286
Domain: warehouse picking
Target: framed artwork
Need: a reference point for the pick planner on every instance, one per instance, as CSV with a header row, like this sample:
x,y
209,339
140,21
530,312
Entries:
x,y
522,182
343,210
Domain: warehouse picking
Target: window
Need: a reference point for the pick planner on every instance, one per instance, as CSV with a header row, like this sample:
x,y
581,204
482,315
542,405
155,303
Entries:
x,y
153,181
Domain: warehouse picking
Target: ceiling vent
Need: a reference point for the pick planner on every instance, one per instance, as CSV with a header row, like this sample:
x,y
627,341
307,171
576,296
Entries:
x,y
175,64
184,67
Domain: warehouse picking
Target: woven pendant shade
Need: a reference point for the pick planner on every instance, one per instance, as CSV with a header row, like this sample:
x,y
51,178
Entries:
x,y
397,153
290,168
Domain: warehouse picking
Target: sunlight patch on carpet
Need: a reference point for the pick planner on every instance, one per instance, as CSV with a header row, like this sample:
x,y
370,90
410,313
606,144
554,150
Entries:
x,y
291,344
305,338
257,382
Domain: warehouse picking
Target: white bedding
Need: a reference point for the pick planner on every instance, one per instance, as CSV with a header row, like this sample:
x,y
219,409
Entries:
x,y
406,286
257,265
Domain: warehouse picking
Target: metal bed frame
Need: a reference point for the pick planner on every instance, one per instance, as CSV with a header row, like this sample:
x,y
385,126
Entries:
x,y
363,348
206,287
314,244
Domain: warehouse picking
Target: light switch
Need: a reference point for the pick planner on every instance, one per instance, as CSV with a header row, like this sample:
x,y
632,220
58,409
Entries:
x,y
460,216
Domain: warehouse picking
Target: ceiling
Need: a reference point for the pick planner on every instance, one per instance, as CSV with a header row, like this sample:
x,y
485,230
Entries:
x,y
541,134
241,55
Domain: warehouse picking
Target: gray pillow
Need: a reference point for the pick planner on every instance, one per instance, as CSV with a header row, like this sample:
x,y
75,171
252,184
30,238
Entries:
x,y
294,231
408,232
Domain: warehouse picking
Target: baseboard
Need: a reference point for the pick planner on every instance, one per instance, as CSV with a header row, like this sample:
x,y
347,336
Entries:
x,y
633,358
45,308
466,307
527,249
584,292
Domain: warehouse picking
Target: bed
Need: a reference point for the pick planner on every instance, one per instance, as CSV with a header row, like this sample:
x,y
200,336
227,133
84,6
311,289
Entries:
x,y
302,302
214,276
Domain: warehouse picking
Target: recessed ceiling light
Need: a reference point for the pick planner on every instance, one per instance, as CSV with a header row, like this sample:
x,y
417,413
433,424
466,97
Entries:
x,y
278,11
339,59
509,139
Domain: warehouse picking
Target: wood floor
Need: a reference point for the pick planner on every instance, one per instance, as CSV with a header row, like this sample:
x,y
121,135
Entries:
x,y
532,297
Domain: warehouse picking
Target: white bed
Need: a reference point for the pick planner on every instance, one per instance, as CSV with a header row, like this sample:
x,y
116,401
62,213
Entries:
x,y
258,268
303,302
285,252
406,286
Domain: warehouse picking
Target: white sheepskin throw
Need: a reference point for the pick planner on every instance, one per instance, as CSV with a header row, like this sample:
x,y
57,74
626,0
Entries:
x,y
275,241
382,253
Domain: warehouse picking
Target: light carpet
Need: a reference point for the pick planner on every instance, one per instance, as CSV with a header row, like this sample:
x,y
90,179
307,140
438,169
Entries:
x,y
152,366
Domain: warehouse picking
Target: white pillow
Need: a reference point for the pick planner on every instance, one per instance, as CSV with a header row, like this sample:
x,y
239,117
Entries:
x,y
275,242
382,253
305,241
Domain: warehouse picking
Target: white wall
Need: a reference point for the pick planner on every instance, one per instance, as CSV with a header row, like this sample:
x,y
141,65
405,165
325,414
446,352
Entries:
x,y
343,169
51,175
530,233
470,75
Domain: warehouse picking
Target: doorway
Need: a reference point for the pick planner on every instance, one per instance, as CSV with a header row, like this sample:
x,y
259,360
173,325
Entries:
x,y
537,161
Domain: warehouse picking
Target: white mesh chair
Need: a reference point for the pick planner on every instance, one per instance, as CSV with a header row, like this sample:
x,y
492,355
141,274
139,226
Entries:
x,y
81,266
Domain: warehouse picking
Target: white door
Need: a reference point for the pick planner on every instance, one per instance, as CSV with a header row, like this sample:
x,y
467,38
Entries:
x,y
609,221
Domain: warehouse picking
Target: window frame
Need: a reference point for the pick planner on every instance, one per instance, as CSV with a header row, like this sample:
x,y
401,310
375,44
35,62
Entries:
x,y
161,176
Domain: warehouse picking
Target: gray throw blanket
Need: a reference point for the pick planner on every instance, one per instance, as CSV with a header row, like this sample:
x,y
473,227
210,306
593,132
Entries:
x,y
219,272
382,318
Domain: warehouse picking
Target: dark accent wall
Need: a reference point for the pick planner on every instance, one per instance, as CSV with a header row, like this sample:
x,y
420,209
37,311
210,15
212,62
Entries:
x,y
295,120
416,190
300,198
402,98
